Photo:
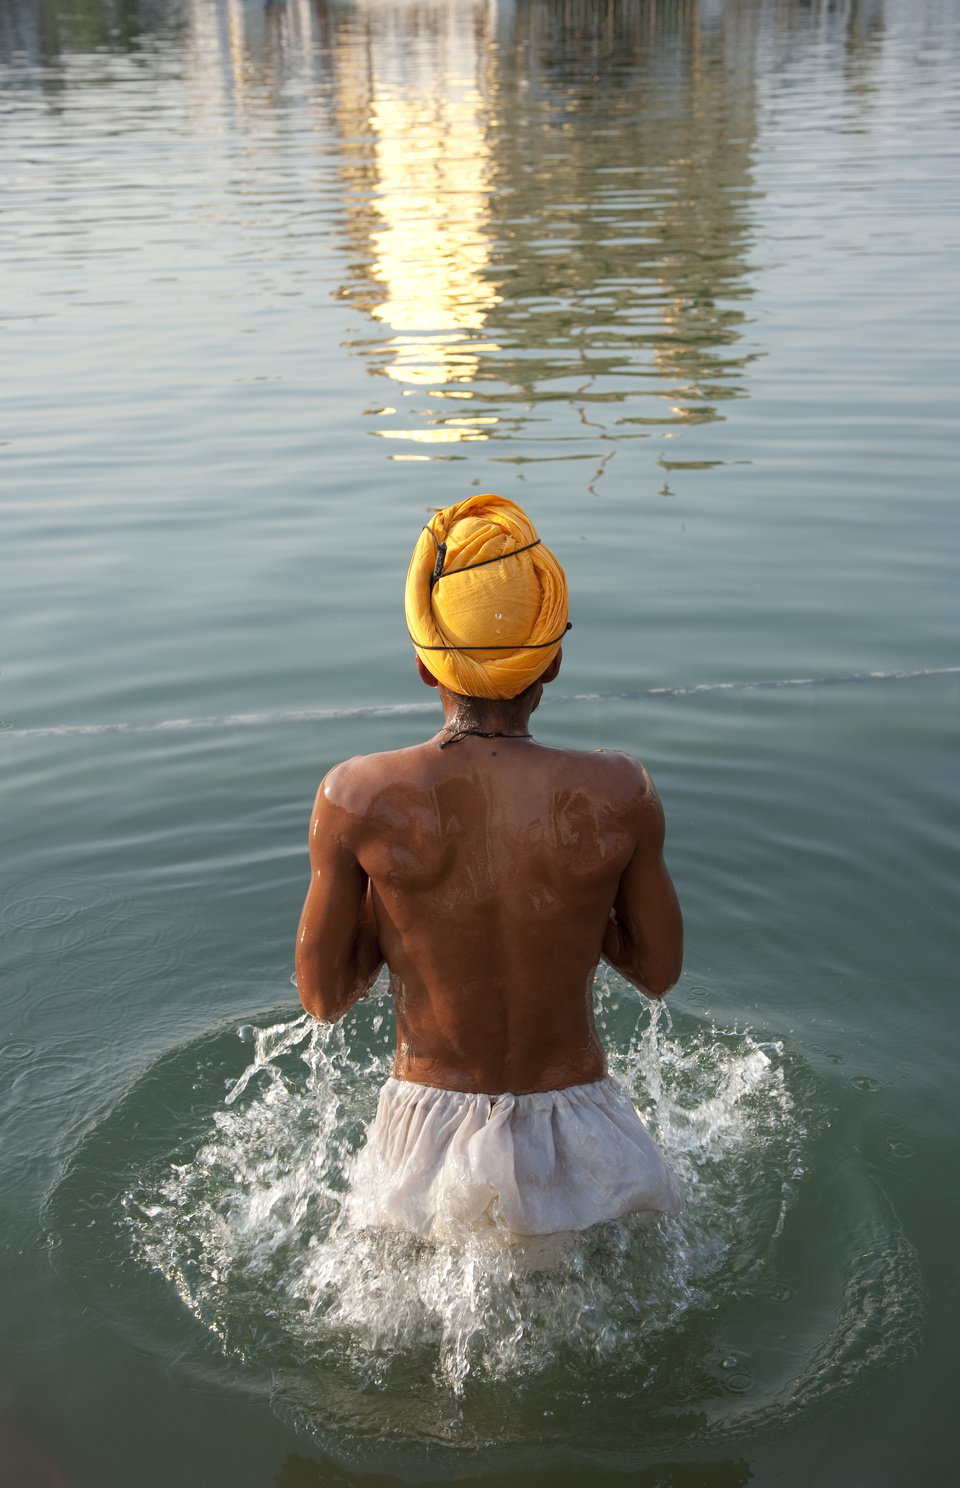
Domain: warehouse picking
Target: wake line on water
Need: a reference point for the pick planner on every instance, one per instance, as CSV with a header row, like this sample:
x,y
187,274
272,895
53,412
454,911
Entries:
x,y
228,720
768,686
399,710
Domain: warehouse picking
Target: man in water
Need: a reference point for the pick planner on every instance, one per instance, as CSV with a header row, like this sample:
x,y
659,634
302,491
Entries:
x,y
491,874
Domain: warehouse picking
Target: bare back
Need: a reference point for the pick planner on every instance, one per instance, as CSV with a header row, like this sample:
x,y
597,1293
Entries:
x,y
493,868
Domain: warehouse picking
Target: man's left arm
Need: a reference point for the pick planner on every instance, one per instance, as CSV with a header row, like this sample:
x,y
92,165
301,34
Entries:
x,y
644,935
338,953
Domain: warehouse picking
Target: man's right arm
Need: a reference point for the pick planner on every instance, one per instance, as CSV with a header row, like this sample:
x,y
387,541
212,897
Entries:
x,y
338,953
644,937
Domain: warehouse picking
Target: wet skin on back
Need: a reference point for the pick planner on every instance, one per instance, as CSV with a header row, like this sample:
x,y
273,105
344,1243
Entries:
x,y
491,876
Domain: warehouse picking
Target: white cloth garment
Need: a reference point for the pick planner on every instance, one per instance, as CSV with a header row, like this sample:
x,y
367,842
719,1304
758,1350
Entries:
x,y
442,1163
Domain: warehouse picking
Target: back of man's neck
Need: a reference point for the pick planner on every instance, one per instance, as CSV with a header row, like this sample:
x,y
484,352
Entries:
x,y
478,716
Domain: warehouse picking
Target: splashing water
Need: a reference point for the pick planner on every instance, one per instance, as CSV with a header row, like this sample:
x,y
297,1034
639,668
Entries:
x,y
253,1232
785,1281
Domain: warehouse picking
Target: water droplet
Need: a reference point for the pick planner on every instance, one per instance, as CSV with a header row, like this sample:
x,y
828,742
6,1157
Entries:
x,y
245,1031
866,1083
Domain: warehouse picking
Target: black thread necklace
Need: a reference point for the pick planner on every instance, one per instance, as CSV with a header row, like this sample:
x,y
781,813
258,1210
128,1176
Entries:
x,y
462,733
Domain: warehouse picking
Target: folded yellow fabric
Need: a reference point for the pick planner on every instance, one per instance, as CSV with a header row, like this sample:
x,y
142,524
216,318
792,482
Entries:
x,y
488,631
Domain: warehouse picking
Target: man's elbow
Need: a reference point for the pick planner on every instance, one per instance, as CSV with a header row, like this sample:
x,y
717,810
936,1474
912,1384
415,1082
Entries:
x,y
657,987
657,980
319,998
318,1011
323,1007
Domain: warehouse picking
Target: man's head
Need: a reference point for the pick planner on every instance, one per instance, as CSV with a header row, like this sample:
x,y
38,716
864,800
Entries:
x,y
486,602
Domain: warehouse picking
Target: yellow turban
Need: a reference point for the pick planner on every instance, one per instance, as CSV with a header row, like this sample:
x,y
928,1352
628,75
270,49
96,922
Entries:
x,y
481,593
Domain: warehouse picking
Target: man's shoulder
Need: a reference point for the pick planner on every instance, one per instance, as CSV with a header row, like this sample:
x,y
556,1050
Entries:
x,y
618,775
615,766
353,783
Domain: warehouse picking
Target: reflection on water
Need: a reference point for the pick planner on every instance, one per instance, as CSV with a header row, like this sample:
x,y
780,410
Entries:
x,y
412,123
630,152
565,189
542,204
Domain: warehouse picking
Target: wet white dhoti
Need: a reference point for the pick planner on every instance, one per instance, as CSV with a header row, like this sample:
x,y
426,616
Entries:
x,y
443,1163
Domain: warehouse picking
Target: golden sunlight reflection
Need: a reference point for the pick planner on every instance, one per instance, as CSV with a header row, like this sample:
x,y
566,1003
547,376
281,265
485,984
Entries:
x,y
431,436
240,67
420,204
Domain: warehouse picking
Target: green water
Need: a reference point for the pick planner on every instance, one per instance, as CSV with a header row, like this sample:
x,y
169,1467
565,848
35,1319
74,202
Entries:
x,y
277,281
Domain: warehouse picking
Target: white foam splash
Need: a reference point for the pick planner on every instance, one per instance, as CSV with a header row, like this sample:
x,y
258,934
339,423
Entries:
x,y
251,1229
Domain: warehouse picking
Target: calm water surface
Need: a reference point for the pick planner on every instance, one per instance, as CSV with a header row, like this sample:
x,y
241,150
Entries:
x,y
278,281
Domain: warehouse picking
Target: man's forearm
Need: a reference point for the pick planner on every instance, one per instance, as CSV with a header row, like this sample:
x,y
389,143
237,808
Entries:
x,y
621,951
327,989
337,944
